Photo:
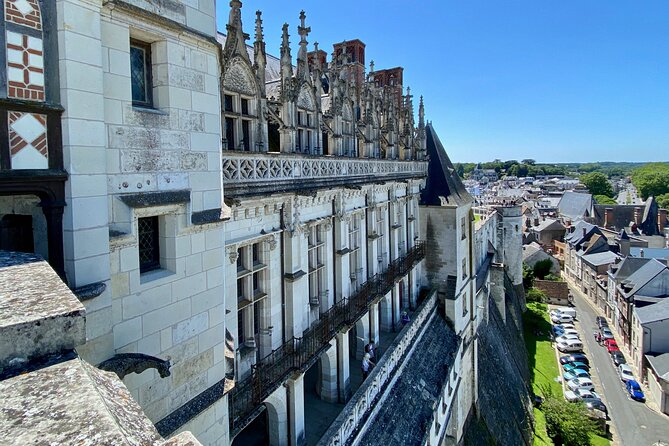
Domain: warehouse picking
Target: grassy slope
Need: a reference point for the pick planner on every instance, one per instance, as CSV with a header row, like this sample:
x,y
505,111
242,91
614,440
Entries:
x,y
544,369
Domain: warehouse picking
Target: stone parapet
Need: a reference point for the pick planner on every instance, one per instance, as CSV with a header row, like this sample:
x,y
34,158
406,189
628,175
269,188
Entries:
x,y
292,171
39,315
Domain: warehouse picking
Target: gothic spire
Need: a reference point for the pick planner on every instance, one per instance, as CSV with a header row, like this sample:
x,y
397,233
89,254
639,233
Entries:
x,y
259,53
235,41
421,114
286,59
302,62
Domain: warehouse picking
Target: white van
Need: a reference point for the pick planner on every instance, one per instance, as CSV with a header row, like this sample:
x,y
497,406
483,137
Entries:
x,y
569,311
570,346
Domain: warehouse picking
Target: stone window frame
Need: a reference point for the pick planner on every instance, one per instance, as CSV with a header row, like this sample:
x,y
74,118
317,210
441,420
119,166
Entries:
x,y
305,131
146,47
251,270
379,227
148,227
238,117
354,242
348,132
317,261
463,228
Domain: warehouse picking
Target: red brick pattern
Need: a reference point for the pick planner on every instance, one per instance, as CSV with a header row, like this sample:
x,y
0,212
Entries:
x,y
24,12
31,132
25,67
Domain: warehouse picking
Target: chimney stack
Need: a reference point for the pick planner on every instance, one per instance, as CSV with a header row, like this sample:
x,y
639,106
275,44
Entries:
x,y
608,218
585,231
661,219
536,221
637,215
641,253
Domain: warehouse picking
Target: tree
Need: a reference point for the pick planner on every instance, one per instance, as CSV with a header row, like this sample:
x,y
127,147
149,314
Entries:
x,y
589,167
597,184
535,295
542,268
603,199
528,277
651,179
567,423
663,201
528,161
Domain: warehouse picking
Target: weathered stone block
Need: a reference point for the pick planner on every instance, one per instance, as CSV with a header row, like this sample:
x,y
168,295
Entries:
x,y
190,368
190,327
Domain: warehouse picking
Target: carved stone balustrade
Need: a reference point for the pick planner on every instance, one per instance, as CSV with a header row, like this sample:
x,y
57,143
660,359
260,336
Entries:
x,y
256,173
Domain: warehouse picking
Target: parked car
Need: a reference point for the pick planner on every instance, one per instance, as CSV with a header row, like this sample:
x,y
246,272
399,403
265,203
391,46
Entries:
x,y
625,372
612,348
597,405
601,322
567,337
574,357
570,345
610,342
575,373
558,310
568,367
562,318
580,395
617,358
580,383
634,390
606,333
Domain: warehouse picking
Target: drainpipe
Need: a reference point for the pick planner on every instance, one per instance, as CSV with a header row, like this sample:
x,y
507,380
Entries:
x,y
283,272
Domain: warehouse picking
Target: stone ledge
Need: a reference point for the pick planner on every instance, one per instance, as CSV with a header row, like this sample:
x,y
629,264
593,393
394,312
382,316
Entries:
x,y
90,291
147,199
208,216
39,315
292,277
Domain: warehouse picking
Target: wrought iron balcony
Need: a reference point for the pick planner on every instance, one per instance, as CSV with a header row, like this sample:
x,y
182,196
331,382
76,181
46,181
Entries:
x,y
299,353
255,173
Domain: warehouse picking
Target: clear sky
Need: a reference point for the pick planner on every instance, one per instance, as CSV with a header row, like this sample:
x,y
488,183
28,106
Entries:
x,y
556,81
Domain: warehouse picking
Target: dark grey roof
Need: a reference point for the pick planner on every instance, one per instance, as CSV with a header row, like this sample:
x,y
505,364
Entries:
x,y
653,313
442,180
628,266
660,364
643,275
600,258
651,253
623,215
577,237
575,205
550,224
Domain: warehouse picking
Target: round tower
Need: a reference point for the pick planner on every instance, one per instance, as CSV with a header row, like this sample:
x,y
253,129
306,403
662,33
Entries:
x,y
511,240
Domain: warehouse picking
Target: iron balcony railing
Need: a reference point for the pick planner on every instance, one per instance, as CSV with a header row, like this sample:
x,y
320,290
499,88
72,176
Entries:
x,y
298,353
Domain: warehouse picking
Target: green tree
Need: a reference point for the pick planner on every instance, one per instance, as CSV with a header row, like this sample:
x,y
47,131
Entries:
x,y
663,201
603,199
651,179
597,184
589,167
567,423
528,277
542,268
535,295
528,161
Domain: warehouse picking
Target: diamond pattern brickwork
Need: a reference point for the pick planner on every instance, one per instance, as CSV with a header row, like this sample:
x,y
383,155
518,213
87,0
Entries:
x,y
28,147
25,67
24,12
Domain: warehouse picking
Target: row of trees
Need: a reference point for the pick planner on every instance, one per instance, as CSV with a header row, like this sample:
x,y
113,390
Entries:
x,y
653,179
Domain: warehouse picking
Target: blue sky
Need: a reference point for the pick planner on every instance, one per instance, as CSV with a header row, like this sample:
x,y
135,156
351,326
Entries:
x,y
556,81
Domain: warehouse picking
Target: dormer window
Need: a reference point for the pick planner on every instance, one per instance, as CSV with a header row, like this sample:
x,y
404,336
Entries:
x,y
238,113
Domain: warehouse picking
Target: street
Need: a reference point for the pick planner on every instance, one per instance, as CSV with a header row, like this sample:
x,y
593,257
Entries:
x,y
634,423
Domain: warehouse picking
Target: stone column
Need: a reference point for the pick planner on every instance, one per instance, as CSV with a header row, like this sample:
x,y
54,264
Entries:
x,y
342,273
386,313
343,364
295,386
361,335
374,322
296,282
396,306
328,383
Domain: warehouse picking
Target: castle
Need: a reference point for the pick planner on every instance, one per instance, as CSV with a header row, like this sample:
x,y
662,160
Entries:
x,y
239,226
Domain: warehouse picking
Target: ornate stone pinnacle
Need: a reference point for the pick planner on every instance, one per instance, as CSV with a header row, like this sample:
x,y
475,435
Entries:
x,y
259,34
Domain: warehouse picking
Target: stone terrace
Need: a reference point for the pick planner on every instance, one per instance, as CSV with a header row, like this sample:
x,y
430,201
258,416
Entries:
x,y
407,413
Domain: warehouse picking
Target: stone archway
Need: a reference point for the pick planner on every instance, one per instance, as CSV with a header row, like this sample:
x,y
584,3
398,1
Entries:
x,y
277,416
327,382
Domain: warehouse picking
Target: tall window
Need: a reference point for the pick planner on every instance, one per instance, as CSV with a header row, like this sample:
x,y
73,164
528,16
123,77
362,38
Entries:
x,y
379,226
354,246
251,295
140,74
148,238
347,132
316,240
305,131
238,122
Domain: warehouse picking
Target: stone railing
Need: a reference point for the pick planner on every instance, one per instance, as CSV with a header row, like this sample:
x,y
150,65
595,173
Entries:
x,y
442,407
257,167
352,420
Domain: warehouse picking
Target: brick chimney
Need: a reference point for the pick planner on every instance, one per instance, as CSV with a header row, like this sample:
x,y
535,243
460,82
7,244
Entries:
x,y
536,221
637,215
608,218
662,219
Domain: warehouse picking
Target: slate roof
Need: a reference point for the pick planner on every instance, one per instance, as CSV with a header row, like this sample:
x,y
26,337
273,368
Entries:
x,y
272,66
628,266
651,253
575,205
623,215
550,224
442,180
643,275
600,258
653,313
576,238
660,363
